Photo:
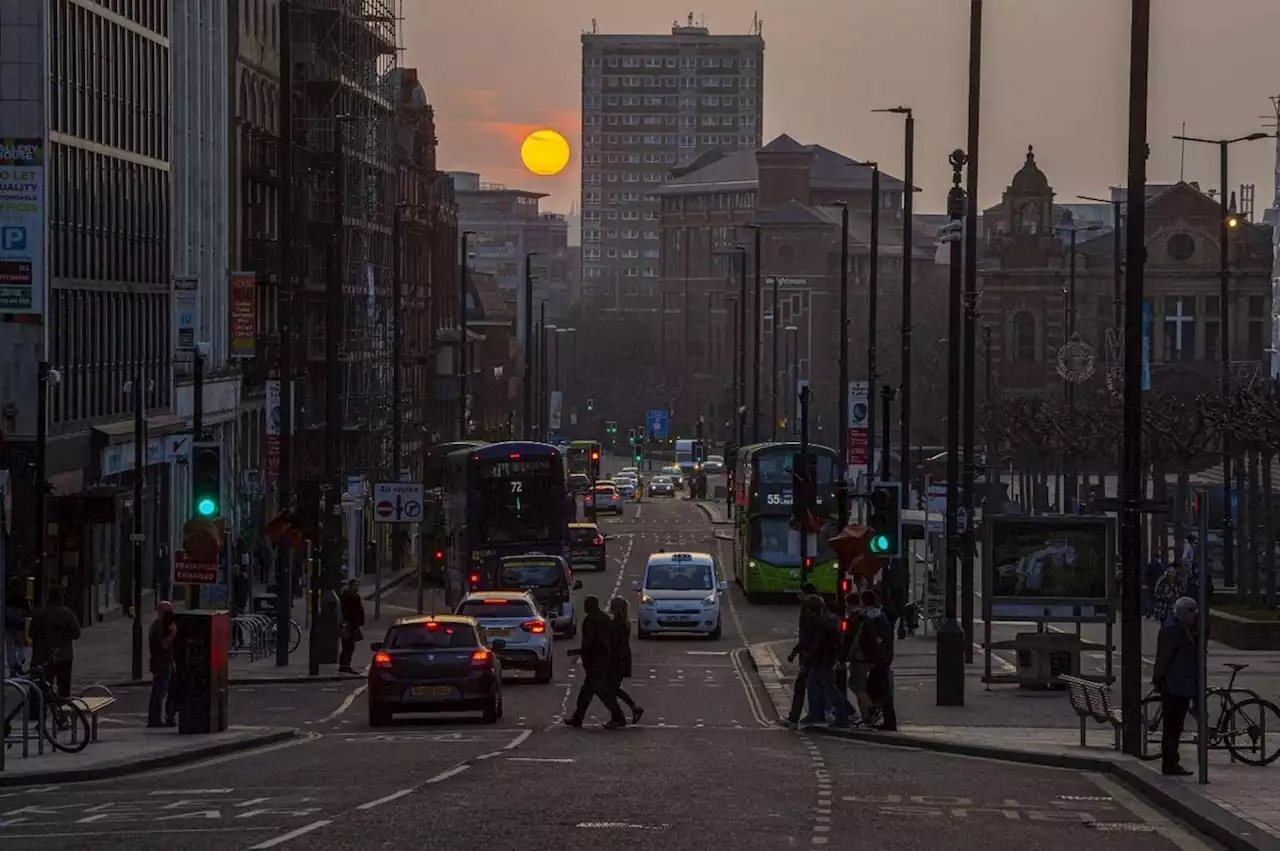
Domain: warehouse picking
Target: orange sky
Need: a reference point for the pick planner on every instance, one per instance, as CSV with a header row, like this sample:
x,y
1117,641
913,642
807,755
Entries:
x,y
1055,76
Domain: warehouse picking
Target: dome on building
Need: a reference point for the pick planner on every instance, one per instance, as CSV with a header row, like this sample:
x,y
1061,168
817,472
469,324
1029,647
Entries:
x,y
1030,180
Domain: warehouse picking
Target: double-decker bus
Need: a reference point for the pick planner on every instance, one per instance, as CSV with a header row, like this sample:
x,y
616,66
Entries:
x,y
584,457
766,550
502,499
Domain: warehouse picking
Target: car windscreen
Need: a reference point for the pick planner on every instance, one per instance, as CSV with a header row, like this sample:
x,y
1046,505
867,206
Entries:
x,y
494,609
662,480
531,575
673,471
679,577
430,636
583,536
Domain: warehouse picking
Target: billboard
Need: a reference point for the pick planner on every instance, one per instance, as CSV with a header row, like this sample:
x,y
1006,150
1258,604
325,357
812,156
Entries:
x,y
22,226
1048,568
243,327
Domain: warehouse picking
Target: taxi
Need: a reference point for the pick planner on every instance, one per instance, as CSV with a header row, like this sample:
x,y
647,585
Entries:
x,y
680,593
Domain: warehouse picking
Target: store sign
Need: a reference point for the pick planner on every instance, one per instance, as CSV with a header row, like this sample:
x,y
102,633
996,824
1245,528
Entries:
x,y
243,291
22,226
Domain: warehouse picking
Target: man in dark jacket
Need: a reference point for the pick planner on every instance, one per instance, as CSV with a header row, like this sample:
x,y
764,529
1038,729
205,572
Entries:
x,y
162,707
54,632
820,657
804,635
878,654
1176,677
596,653
350,630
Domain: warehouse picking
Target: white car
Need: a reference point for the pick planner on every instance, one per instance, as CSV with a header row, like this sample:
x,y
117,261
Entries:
x,y
626,486
676,474
680,592
514,617
713,464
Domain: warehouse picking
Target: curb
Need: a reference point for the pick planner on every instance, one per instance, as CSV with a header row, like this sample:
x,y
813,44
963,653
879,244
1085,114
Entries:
x,y
706,509
294,679
393,582
1208,818
124,768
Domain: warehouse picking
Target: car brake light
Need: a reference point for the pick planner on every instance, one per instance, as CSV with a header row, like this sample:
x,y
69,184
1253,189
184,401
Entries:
x,y
514,455
475,578
613,496
844,626
495,601
599,542
481,659
381,659
431,626
536,627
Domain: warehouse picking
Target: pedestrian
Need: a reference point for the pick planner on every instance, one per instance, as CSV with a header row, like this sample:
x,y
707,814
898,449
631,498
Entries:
x,y
242,587
804,629
854,657
162,708
54,632
821,656
877,652
17,611
1150,576
1169,587
1189,551
621,662
595,652
1175,677
350,631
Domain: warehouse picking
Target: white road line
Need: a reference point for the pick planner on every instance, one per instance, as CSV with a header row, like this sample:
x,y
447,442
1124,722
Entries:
x,y
346,703
385,799
293,834
445,775
489,755
301,739
537,759
518,740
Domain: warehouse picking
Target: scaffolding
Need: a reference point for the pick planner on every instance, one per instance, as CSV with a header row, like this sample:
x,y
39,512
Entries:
x,y
344,53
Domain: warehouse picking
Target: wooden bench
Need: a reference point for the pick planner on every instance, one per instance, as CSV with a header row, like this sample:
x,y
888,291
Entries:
x,y
1092,702
94,705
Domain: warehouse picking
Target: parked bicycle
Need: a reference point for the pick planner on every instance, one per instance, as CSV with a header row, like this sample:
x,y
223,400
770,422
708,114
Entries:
x,y
1242,727
60,720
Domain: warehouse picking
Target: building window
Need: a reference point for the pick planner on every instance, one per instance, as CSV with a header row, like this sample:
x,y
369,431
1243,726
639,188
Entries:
x,y
1179,329
1023,343
1181,247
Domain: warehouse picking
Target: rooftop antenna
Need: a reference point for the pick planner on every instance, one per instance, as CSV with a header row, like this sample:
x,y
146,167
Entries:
x,y
1182,165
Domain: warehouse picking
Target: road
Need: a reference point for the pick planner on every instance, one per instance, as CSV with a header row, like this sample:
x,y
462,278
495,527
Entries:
x,y
707,768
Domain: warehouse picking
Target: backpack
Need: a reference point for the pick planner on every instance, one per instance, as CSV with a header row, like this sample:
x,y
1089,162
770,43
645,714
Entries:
x,y
871,645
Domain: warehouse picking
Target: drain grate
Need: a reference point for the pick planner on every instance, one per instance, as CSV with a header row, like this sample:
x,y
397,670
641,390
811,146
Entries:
x,y
1121,826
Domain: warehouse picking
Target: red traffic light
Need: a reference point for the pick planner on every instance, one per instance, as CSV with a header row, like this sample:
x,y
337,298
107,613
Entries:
x,y
595,456
439,555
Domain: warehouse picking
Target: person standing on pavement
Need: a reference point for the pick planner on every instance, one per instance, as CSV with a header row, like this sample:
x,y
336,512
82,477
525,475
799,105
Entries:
x,y
54,632
804,634
853,655
17,611
620,666
241,588
822,654
1176,677
162,708
351,629
877,652
596,652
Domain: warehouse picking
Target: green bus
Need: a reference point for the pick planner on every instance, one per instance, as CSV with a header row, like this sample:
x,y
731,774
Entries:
x,y
766,550
584,457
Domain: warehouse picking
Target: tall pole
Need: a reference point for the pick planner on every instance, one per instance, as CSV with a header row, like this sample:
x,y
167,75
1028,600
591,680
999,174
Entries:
x,y
332,563
40,590
139,474
742,347
543,405
284,368
463,366
886,396
755,347
970,315
1224,297
1073,495
908,246
397,377
528,347
873,296
1131,663
843,508
773,365
806,507
951,637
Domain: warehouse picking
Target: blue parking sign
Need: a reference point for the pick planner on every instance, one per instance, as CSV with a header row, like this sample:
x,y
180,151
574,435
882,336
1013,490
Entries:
x,y
657,424
13,238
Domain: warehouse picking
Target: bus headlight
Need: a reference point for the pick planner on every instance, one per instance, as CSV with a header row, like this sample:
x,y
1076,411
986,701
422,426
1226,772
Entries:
x,y
751,564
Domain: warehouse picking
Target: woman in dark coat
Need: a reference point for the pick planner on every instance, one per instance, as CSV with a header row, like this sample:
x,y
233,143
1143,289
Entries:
x,y
620,663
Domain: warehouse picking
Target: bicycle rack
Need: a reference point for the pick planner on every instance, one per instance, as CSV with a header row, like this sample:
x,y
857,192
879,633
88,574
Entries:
x,y
26,688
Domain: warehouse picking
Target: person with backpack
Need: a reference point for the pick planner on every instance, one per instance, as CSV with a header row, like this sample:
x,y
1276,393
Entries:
x,y
820,657
876,647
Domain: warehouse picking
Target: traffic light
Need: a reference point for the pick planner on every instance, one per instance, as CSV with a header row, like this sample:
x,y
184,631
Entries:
x,y
206,479
631,436
595,454
611,427
886,519
202,539
591,404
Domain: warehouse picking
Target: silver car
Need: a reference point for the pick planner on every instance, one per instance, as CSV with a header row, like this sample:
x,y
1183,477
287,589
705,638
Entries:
x,y
514,617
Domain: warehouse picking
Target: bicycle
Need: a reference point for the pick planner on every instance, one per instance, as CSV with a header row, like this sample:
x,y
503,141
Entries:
x,y
1241,727
55,716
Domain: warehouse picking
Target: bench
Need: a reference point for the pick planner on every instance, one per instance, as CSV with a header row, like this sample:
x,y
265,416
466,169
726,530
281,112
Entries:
x,y
94,705
1092,702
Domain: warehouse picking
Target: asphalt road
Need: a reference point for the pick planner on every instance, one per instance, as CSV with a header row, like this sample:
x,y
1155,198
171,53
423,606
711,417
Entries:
x,y
707,768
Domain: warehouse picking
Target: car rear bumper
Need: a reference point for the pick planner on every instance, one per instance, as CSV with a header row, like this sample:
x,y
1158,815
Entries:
x,y
524,658
396,696
701,623
598,563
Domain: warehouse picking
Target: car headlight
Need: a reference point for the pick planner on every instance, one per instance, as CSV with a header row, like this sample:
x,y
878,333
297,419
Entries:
x,y
646,600
709,602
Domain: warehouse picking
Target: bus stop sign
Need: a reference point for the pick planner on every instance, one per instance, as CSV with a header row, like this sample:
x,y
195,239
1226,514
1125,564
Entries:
x,y
657,421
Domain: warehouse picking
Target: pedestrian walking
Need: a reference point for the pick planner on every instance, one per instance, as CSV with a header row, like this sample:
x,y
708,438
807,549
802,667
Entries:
x,y
54,632
804,630
351,629
1175,677
621,662
1150,576
242,587
17,611
162,708
855,661
595,652
822,654
1169,587
877,652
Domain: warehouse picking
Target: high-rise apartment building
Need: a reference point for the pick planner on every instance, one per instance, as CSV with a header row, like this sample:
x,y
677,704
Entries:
x,y
652,103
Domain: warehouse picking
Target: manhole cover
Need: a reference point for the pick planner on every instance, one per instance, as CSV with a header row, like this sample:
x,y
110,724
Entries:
x,y
1121,827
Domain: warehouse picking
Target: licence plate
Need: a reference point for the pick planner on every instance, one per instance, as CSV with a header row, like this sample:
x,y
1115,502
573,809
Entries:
x,y
580,554
431,691
498,632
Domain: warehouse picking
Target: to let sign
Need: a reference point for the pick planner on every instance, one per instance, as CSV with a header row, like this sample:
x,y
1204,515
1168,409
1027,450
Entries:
x,y
188,571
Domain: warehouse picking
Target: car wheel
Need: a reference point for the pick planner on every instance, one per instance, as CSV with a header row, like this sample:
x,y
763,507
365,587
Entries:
x,y
378,717
572,631
546,672
715,634
493,711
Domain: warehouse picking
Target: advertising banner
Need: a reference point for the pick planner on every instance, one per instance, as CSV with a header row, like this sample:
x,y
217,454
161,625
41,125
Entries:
x,y
274,413
243,292
1048,568
22,226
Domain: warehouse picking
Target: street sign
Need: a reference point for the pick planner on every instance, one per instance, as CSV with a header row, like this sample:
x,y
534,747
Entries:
x,y
186,311
858,440
397,502
656,421
188,571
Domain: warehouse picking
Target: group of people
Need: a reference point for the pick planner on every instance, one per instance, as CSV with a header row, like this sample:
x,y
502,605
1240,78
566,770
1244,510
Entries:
x,y
605,652
843,652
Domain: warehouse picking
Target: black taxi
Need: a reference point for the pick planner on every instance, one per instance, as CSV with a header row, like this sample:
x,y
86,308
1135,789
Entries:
x,y
587,546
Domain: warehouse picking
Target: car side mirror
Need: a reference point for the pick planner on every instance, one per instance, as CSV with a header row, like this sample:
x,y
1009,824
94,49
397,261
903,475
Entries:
x,y
375,646
635,586
498,643
577,585
724,586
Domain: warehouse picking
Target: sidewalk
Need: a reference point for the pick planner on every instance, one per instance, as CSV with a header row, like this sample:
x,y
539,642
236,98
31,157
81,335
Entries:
x,y
715,512
104,653
131,750
1240,807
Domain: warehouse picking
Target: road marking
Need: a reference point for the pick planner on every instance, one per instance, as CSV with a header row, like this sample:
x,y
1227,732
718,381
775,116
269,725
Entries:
x,y
1151,817
753,700
445,775
293,834
620,825
300,739
346,703
148,831
193,791
538,758
518,740
385,799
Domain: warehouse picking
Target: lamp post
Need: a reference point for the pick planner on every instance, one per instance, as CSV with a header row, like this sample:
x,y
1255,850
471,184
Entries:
x,y
464,264
527,425
1226,223
793,366
773,362
843,394
908,244
1071,339
757,321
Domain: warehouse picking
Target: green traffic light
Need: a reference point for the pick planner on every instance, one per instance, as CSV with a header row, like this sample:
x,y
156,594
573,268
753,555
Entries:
x,y
206,507
880,544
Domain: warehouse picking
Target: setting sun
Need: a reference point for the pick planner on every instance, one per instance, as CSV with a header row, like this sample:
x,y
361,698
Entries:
x,y
545,152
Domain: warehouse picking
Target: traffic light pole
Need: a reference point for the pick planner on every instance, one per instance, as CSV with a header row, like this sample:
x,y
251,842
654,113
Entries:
x,y
843,507
527,425
192,592
139,472
968,416
284,556
806,505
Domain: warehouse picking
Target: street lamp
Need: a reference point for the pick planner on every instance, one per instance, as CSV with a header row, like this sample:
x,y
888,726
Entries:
x,y
908,212
464,264
1227,221
758,324
528,345
1117,250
